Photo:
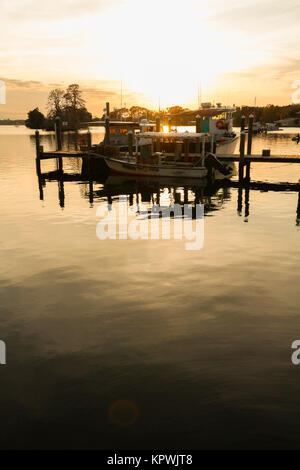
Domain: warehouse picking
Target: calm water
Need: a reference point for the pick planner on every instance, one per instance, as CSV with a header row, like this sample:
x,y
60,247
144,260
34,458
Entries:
x,y
143,344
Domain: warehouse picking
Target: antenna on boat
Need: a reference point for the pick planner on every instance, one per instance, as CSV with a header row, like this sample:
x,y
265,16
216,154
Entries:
x,y
199,94
121,94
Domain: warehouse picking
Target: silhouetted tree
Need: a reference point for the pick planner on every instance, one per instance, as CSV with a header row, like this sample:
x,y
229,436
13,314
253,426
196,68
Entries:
x,y
36,119
74,105
56,103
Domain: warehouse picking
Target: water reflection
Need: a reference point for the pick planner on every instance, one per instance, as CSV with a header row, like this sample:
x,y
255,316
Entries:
x,y
151,190
137,190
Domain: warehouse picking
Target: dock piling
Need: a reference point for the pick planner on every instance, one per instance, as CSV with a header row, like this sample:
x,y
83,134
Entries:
x,y
89,139
157,127
57,127
242,155
130,143
250,133
107,131
243,120
37,143
198,124
249,145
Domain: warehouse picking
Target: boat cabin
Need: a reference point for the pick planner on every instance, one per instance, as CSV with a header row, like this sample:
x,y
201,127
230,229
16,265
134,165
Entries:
x,y
181,146
217,120
116,132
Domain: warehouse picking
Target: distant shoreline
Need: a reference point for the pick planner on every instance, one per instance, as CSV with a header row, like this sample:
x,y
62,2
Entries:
x,y
10,122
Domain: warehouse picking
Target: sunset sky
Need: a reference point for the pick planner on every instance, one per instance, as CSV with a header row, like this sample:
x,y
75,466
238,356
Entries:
x,y
159,49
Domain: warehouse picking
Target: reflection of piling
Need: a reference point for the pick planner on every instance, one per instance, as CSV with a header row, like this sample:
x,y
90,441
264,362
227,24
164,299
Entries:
x,y
57,127
247,204
240,200
298,210
91,192
60,179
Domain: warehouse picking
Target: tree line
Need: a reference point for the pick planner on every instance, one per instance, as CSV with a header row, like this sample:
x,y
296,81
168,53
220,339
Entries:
x,y
269,113
67,104
70,107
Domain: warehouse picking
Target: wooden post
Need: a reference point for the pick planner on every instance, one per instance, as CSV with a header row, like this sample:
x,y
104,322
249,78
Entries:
x,y
60,164
107,109
242,155
203,146
243,119
157,128
130,143
169,124
250,132
38,166
107,135
203,150
198,124
57,126
89,140
37,143
249,144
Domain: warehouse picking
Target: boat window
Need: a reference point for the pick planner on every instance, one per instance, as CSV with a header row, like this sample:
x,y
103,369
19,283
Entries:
x,y
112,131
123,131
220,116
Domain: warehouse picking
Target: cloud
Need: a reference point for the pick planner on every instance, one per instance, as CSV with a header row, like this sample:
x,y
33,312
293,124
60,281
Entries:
x,y
17,83
52,11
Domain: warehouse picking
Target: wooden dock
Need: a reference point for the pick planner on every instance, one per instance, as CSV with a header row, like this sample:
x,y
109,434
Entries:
x,y
260,158
222,157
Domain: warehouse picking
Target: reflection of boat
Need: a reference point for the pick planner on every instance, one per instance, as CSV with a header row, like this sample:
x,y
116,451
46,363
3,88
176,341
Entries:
x,y
183,159
296,139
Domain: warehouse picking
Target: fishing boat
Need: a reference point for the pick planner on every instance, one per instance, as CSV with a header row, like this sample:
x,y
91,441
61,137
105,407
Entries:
x,y
148,159
216,120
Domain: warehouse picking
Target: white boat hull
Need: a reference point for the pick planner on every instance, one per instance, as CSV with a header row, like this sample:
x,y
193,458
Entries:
x,y
138,169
